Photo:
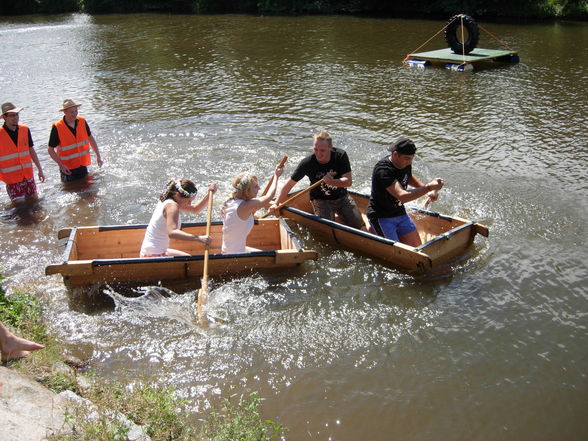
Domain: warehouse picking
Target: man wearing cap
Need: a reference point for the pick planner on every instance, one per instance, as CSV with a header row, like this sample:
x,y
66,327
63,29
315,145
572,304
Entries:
x,y
72,139
390,180
332,165
17,155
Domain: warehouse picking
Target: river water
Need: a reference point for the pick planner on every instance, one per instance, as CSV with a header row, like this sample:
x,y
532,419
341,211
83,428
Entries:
x,y
342,349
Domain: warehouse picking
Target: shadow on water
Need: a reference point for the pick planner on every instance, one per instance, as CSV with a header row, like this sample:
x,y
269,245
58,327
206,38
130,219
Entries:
x,y
86,187
154,301
159,302
144,301
24,213
229,297
90,300
100,298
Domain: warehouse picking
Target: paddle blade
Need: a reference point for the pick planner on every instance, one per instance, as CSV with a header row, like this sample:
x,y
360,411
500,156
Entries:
x,y
202,298
202,301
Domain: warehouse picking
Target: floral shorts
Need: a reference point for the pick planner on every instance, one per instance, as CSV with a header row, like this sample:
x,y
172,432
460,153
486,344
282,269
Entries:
x,y
22,189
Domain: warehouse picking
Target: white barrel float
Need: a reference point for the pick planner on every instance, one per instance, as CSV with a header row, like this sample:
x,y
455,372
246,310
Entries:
x,y
417,63
465,67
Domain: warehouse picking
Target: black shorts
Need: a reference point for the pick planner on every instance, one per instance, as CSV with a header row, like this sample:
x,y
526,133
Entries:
x,y
76,173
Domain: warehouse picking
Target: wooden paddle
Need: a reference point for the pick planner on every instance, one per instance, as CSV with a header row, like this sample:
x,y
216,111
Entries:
x,y
300,193
269,184
203,291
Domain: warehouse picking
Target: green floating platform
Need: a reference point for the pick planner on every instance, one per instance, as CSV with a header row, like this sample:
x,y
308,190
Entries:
x,y
476,56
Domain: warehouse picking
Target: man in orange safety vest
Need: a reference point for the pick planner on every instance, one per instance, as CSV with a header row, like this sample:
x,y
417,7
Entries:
x,y
69,143
17,156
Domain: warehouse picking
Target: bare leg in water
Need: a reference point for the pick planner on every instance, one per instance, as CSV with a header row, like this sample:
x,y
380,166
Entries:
x,y
14,347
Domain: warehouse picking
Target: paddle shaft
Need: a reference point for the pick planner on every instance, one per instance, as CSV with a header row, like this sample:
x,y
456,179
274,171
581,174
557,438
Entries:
x,y
269,184
207,247
300,193
202,300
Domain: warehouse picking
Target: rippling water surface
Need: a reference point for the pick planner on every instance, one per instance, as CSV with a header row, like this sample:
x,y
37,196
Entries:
x,y
342,348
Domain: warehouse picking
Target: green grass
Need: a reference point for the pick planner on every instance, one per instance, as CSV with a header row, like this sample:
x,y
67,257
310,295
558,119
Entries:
x,y
155,408
22,312
239,418
158,410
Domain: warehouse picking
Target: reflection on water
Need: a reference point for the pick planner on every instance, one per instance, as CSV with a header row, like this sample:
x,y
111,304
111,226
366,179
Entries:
x,y
342,348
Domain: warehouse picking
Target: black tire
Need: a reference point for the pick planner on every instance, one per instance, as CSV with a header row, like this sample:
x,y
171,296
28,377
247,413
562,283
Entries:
x,y
471,36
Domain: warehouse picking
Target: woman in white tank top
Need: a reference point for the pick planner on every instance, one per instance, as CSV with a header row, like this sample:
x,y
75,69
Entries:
x,y
237,213
166,223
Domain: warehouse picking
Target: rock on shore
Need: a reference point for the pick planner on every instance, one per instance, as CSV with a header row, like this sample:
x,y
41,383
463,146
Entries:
x,y
28,411
31,412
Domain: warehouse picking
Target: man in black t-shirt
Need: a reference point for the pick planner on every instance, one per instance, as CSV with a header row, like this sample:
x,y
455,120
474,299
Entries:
x,y
331,197
390,180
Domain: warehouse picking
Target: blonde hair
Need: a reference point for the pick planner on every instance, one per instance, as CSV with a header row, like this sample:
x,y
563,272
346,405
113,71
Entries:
x,y
324,136
241,185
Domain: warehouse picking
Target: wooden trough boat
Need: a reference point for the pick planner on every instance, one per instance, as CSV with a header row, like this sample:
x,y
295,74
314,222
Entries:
x,y
110,254
444,238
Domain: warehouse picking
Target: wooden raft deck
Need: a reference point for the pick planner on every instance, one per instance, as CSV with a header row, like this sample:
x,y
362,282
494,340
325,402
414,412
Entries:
x,y
478,55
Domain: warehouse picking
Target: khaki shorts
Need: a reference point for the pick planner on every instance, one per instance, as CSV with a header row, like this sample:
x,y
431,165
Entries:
x,y
345,207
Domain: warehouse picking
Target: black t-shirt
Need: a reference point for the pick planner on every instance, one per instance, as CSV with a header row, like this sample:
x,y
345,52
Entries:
x,y
309,166
14,135
382,203
54,136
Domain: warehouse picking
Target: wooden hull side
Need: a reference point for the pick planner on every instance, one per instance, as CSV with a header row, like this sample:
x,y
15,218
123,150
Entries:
x,y
84,273
367,244
116,254
444,238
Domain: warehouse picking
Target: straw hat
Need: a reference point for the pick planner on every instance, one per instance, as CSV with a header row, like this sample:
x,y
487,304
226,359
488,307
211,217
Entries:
x,y
10,108
69,103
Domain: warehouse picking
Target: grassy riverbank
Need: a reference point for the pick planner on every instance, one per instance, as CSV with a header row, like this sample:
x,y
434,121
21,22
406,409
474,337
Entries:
x,y
156,408
480,9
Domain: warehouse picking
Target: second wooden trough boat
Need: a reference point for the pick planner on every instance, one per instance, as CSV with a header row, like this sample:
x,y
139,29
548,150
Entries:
x,y
110,254
444,238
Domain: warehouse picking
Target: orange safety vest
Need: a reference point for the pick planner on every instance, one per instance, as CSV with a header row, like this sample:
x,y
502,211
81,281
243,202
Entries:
x,y
74,151
15,160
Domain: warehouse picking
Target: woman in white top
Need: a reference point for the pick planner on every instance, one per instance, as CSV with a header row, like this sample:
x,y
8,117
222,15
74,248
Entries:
x,y
238,211
166,222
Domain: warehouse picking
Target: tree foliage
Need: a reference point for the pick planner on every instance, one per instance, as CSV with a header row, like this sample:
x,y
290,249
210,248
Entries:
x,y
393,8
38,6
